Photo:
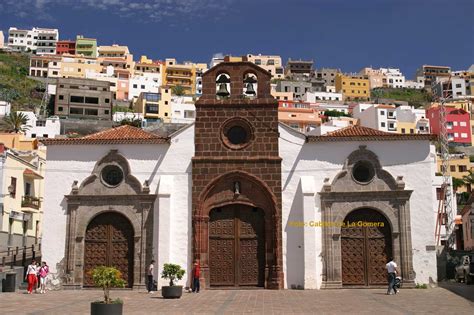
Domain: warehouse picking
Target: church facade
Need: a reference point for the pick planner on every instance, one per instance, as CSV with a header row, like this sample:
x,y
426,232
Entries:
x,y
257,203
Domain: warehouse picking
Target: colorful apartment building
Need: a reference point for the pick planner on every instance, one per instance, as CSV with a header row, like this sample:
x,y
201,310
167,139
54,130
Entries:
x,y
412,120
66,47
353,87
22,188
40,41
86,46
184,75
428,75
459,166
45,66
146,65
458,124
301,119
380,117
155,106
78,66
270,63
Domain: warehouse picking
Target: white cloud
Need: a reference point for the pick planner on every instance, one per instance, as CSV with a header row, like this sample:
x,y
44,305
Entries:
x,y
151,10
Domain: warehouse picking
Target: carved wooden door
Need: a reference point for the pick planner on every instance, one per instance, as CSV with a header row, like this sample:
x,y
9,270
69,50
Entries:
x,y
109,242
365,249
236,246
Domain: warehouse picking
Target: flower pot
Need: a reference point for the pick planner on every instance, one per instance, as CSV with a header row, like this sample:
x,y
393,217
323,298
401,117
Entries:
x,y
100,308
173,292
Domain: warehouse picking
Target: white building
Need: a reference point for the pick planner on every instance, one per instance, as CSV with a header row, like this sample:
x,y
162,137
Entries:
x,y
5,108
314,97
2,40
119,116
42,127
380,117
183,110
144,82
330,126
182,196
395,79
37,40
410,84
410,115
343,108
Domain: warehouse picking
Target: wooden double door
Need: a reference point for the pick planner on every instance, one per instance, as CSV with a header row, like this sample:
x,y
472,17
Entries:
x,y
365,249
237,246
109,242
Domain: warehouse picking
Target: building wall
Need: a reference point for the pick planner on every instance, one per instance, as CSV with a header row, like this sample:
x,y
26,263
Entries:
x,y
66,47
353,87
314,97
86,46
146,82
83,98
14,203
42,128
272,64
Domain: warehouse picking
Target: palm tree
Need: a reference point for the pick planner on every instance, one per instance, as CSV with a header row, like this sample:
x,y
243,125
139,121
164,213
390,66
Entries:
x,y
178,90
469,180
458,182
17,122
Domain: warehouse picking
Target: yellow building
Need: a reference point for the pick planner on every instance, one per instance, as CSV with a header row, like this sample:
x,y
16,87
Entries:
x,y
353,87
459,166
75,66
270,63
406,127
18,141
155,106
283,96
148,65
186,75
116,56
21,184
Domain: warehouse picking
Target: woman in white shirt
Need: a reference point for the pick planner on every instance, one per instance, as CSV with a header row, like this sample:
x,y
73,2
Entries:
x,y
31,276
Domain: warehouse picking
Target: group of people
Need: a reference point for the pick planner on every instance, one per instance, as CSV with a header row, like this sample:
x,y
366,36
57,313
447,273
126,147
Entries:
x,y
195,285
36,276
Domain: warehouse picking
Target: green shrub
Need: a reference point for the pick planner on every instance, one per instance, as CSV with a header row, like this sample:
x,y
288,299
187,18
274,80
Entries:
x,y
172,272
107,278
421,286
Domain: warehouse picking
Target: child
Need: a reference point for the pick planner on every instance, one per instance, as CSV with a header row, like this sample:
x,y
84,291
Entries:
x,y
43,272
31,276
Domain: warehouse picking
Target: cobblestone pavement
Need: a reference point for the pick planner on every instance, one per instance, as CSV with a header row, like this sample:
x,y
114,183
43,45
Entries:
x,y
355,301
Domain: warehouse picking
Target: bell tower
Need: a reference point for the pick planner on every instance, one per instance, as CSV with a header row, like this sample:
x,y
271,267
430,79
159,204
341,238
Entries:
x,y
236,166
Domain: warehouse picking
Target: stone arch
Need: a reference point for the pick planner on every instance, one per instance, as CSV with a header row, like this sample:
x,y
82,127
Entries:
x,y
254,193
380,207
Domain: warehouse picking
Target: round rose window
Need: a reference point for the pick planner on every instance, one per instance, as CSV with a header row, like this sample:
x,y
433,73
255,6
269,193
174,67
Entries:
x,y
112,175
363,172
236,133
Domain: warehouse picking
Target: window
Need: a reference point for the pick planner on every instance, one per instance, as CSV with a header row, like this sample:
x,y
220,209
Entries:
x,y
151,109
92,112
462,168
76,111
40,123
166,102
382,124
363,172
142,86
13,187
403,130
60,109
452,168
392,126
45,135
455,123
462,123
463,135
33,135
382,112
61,97
76,99
438,193
92,100
135,86
112,175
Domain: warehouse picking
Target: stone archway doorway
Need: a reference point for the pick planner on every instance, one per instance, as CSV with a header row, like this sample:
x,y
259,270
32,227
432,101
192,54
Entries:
x,y
237,246
109,242
366,245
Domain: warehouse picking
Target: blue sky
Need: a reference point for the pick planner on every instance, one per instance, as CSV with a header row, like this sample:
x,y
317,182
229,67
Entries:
x,y
347,34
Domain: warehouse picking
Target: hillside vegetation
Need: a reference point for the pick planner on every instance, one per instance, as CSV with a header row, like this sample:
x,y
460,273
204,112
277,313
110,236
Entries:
x,y
414,97
15,86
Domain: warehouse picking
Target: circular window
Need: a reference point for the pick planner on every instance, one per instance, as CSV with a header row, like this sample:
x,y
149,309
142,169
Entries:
x,y
236,133
363,172
112,175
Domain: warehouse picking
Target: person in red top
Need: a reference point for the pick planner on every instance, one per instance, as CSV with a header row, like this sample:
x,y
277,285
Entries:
x,y
196,274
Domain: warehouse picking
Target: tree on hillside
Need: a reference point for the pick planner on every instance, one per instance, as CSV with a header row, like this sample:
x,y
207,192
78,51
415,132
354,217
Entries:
x,y
178,90
17,122
376,94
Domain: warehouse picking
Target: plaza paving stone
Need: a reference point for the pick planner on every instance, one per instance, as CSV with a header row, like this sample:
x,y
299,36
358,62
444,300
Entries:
x,y
355,301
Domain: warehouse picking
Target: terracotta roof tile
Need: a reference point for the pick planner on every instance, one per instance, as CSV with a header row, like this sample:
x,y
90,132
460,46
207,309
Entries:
x,y
356,133
120,135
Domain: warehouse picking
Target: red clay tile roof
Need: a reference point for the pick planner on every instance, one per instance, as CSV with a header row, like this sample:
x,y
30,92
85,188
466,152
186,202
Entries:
x,y
120,135
28,172
357,133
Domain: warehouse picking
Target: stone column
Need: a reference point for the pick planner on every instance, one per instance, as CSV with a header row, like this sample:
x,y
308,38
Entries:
x,y
406,263
311,280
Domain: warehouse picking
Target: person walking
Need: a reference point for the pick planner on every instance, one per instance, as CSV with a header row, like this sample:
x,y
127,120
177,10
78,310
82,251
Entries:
x,y
151,267
31,276
43,272
196,274
392,274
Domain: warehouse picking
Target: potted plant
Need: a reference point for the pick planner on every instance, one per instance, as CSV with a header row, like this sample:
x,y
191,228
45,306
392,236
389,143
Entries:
x,y
107,278
172,272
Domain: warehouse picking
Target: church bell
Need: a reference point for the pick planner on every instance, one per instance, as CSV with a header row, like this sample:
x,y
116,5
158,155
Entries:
x,y
223,90
249,88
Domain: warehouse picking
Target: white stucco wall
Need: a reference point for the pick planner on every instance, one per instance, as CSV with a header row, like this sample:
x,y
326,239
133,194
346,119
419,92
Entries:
x,y
411,159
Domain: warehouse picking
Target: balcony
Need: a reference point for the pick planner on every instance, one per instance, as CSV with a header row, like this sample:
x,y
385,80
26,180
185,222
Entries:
x,y
30,202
